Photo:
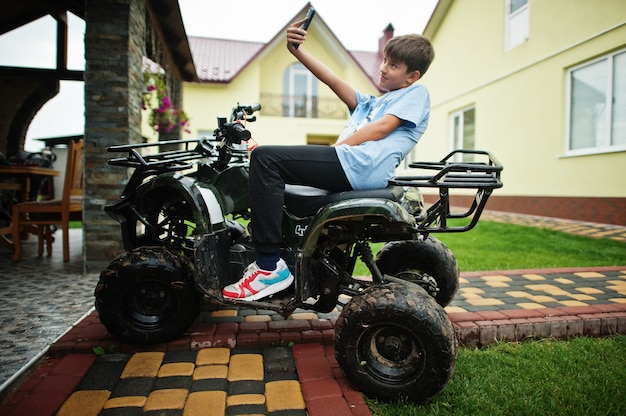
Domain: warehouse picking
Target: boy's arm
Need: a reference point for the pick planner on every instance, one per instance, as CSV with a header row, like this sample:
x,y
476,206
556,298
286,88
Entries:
x,y
344,92
375,130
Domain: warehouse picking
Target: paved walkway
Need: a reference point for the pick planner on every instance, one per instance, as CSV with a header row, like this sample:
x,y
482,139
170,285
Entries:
x,y
242,361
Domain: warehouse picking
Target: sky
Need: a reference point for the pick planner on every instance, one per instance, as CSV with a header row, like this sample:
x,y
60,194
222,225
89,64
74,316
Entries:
x,y
357,24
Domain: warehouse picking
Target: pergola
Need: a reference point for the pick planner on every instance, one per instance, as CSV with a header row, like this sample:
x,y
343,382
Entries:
x,y
119,35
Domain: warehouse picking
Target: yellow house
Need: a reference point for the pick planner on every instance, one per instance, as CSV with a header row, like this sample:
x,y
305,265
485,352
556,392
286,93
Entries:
x,y
542,85
296,107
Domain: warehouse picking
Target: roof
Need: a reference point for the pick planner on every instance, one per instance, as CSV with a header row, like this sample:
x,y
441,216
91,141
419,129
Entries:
x,y
221,60
436,18
18,13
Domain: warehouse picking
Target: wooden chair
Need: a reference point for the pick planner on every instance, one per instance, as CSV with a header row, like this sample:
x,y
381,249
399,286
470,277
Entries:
x,y
44,214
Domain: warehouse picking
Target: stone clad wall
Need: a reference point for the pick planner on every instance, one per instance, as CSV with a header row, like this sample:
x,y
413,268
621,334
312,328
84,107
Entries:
x,y
118,33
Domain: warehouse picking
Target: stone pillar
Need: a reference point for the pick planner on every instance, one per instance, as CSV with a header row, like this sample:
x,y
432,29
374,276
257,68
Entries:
x,y
114,46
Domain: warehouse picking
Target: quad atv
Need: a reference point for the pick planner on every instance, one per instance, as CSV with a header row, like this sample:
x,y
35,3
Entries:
x,y
183,217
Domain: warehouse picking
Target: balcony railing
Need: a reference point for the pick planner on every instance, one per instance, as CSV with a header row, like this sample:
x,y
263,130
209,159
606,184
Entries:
x,y
279,105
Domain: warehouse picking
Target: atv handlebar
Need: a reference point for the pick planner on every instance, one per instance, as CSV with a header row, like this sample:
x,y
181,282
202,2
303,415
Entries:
x,y
225,136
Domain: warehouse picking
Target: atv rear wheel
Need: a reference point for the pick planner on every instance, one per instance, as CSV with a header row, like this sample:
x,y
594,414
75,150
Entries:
x,y
147,296
428,263
394,341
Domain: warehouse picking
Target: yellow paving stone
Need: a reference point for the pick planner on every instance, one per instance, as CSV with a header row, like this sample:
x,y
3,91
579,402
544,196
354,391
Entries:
x,y
485,302
166,399
541,298
205,403
470,296
588,275
303,316
551,289
582,297
284,395
176,369
454,309
497,284
589,290
621,283
533,277
210,371
246,367
257,318
472,290
530,305
143,364
564,281
618,300
463,281
209,356
572,303
224,313
518,294
496,278
84,403
619,289
241,399
125,401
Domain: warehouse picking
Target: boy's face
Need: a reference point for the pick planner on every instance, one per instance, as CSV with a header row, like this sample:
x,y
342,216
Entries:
x,y
394,75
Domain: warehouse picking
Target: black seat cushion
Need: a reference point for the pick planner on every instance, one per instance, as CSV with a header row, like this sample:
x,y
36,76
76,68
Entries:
x,y
305,201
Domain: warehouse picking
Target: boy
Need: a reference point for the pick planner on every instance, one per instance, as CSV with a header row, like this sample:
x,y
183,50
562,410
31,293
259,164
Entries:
x,y
379,134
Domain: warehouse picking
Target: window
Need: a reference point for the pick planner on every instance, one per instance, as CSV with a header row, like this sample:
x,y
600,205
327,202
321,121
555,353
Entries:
x,y
597,105
463,132
300,92
516,23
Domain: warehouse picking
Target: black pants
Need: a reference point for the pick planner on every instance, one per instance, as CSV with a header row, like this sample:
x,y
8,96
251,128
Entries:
x,y
271,167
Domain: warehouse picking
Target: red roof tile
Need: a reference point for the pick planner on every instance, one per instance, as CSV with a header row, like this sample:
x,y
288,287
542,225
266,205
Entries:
x,y
221,60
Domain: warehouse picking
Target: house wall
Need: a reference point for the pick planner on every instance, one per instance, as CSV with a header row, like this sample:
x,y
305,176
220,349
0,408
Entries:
x,y
521,101
264,75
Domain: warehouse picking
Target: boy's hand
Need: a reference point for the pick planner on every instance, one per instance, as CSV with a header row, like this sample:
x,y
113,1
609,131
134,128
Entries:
x,y
295,35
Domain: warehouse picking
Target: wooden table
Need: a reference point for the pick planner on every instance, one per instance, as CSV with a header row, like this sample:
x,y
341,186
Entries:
x,y
23,174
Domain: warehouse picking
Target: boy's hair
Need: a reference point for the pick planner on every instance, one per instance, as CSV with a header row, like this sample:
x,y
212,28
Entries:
x,y
414,50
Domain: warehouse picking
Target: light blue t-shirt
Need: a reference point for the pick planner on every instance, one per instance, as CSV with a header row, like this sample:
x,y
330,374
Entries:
x,y
372,164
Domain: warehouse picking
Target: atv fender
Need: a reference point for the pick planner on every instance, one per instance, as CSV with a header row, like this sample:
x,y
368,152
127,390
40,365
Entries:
x,y
361,209
202,197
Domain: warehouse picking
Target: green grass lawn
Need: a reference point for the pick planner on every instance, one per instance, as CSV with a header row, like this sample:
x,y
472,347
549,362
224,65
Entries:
x,y
549,377
582,376
497,246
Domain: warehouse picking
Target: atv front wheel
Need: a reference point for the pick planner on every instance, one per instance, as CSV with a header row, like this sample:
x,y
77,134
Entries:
x,y
428,263
394,341
147,296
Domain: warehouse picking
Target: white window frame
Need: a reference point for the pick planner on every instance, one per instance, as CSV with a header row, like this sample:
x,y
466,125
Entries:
x,y
457,141
603,144
293,71
516,25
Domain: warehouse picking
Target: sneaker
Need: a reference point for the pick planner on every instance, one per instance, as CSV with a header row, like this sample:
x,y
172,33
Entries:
x,y
257,283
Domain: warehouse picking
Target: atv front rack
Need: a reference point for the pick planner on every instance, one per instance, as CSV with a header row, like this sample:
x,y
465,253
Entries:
x,y
482,176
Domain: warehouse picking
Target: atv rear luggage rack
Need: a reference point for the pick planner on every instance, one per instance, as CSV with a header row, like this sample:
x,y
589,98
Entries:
x,y
484,177
169,161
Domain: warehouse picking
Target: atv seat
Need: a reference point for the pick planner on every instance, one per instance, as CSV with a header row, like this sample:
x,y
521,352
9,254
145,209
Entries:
x,y
305,201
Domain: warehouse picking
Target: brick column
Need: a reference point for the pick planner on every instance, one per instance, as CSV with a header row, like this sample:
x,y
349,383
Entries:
x,y
114,45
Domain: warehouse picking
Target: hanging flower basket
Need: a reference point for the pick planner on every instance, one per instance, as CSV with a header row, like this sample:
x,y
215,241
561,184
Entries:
x,y
164,117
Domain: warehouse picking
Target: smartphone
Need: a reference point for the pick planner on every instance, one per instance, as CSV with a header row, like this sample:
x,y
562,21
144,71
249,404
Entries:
x,y
309,16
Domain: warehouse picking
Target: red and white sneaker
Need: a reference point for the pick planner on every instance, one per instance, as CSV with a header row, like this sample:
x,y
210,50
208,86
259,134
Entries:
x,y
258,283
